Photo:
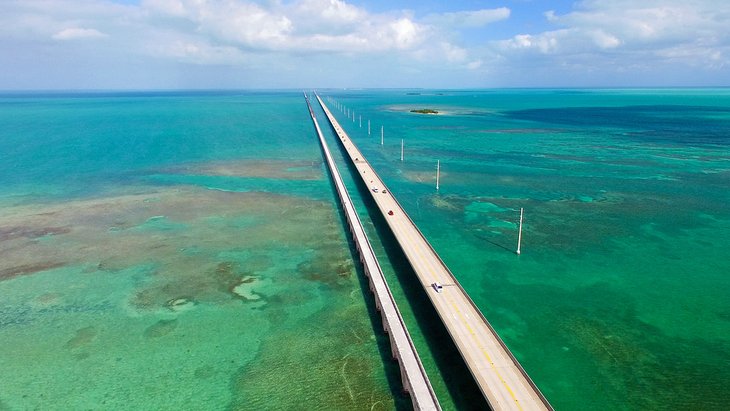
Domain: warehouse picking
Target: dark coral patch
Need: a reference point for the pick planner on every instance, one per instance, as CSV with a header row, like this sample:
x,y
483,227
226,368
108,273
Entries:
x,y
225,276
205,372
176,293
26,269
330,272
180,304
11,233
160,328
84,336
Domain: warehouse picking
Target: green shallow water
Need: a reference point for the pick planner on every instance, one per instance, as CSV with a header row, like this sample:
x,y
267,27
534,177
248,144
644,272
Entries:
x,y
184,250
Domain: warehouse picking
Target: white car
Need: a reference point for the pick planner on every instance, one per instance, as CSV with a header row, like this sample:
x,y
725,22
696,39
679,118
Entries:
x,y
438,287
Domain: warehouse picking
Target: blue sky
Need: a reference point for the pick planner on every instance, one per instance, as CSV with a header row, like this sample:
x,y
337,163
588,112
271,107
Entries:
x,y
188,44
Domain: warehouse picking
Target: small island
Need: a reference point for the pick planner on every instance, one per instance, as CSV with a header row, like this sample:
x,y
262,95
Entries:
x,y
425,111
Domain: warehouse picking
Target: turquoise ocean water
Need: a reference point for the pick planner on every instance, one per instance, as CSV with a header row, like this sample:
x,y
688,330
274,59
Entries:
x,y
184,249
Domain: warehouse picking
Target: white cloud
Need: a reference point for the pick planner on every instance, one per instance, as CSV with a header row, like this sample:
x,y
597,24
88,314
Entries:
x,y
473,65
468,19
241,23
453,53
177,8
625,36
199,52
333,11
661,31
404,32
236,31
604,40
297,27
544,43
75,33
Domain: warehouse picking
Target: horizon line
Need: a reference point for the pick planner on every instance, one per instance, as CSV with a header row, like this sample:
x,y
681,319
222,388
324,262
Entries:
x,y
299,89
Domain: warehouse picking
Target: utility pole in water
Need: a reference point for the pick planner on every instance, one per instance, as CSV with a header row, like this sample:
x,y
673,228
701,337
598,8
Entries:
x,y
519,236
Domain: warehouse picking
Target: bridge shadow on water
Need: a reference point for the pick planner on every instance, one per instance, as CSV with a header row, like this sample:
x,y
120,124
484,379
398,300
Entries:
x,y
392,370
459,382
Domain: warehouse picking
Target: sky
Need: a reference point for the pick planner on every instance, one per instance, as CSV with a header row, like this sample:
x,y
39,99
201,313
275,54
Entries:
x,y
229,44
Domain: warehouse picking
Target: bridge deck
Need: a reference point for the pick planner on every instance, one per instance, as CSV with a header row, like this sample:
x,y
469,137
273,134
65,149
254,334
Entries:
x,y
503,382
413,375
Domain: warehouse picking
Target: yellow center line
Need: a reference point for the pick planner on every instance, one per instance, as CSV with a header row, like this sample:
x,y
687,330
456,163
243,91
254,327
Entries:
x,y
487,356
427,259
420,252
